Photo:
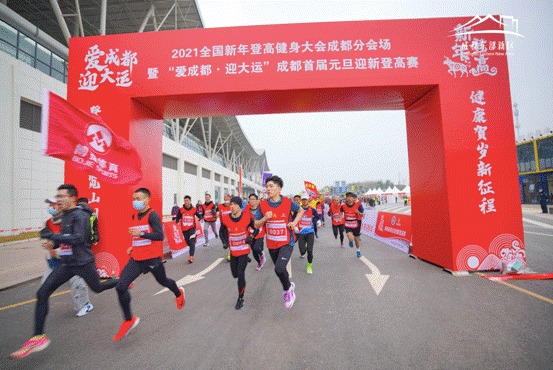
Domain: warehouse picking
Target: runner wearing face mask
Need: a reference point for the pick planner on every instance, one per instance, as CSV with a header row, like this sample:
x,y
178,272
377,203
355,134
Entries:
x,y
146,251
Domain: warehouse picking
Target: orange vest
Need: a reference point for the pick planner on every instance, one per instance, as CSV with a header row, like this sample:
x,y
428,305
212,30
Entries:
x,y
144,249
247,209
277,232
350,215
55,228
306,221
237,234
188,218
335,212
209,216
223,210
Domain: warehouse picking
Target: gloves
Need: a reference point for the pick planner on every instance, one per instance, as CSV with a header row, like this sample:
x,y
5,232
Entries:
x,y
249,240
46,233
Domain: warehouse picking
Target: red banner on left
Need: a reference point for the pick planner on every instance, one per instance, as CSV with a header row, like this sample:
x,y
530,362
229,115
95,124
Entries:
x,y
85,141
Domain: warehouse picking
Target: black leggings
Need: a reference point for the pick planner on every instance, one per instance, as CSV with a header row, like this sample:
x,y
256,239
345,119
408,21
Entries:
x,y
280,257
190,241
132,270
57,278
223,233
336,228
238,270
305,242
257,249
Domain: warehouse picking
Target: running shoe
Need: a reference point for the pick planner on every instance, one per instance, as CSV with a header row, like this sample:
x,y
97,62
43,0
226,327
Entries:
x,y
206,244
302,255
86,309
35,344
342,244
239,303
358,253
309,269
180,299
261,262
191,259
289,296
351,244
126,327
316,236
336,237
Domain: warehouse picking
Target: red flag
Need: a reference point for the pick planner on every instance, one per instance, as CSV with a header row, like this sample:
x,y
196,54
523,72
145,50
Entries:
x,y
85,141
311,189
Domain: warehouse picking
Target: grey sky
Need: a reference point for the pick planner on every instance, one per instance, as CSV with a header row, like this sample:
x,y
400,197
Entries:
x,y
310,148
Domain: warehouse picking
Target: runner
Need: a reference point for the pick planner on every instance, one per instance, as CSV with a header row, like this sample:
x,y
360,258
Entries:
x,y
79,291
187,216
280,238
353,213
238,223
222,210
74,242
337,217
320,209
146,251
209,218
257,244
306,233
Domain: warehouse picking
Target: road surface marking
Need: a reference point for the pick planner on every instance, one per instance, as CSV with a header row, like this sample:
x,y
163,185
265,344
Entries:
x,y
376,280
192,278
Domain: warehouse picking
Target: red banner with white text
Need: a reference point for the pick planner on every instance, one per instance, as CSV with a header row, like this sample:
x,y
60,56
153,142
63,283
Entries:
x,y
85,141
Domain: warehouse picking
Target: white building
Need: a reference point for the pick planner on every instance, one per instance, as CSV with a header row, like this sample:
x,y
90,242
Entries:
x,y
200,154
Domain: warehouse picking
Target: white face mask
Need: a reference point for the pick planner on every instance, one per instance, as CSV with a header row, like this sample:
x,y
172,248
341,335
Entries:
x,y
138,205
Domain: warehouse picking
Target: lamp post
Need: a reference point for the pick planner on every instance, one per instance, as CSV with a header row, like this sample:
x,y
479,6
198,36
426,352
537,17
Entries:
x,y
515,113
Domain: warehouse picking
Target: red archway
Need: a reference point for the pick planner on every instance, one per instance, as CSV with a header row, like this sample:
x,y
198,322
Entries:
x,y
452,84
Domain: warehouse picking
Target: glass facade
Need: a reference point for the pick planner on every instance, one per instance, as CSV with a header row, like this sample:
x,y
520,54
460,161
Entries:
x,y
526,158
26,49
545,153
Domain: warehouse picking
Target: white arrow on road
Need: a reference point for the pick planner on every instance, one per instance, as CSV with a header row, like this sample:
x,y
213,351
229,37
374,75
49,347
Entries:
x,y
375,278
192,278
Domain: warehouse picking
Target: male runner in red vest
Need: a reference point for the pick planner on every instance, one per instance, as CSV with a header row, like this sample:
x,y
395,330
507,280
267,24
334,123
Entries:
x,y
353,213
238,224
275,214
337,217
145,251
209,218
257,244
187,217
224,209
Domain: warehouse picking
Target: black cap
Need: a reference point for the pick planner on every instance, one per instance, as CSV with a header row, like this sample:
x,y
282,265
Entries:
x,y
237,201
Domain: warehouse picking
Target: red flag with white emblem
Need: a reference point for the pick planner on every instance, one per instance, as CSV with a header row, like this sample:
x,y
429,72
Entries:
x,y
85,141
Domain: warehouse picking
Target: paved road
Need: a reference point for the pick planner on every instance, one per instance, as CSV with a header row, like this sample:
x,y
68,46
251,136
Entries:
x,y
424,318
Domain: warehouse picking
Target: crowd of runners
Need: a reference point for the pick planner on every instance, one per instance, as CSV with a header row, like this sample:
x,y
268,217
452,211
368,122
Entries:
x,y
277,220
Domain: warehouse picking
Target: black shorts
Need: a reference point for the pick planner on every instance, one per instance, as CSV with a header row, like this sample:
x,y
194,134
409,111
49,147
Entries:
x,y
356,231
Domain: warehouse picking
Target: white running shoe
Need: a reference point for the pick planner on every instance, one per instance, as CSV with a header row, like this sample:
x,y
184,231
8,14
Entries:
x,y
289,296
86,309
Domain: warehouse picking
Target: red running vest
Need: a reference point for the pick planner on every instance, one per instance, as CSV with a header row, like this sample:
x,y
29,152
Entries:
x,y
144,249
350,215
237,234
188,218
277,232
208,213
336,218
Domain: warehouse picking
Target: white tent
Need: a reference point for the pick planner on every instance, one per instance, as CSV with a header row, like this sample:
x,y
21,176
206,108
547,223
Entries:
x,y
406,191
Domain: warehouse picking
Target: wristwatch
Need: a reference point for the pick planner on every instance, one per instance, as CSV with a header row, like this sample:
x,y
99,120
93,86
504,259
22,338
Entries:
x,y
142,234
